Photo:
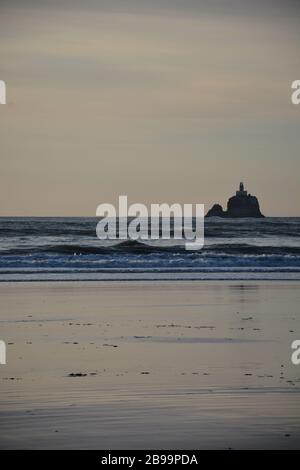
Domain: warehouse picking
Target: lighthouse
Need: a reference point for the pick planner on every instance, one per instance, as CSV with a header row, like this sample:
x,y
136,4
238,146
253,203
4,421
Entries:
x,y
241,191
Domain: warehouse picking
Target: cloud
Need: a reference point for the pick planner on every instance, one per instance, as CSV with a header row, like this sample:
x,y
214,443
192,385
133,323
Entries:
x,y
107,94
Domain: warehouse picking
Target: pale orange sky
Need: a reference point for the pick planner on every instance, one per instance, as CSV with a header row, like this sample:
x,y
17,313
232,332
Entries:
x,y
161,101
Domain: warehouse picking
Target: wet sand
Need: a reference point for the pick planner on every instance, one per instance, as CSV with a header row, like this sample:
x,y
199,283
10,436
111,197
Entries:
x,y
202,364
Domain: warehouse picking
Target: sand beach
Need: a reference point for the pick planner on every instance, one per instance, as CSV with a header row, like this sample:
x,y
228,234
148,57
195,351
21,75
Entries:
x,y
150,365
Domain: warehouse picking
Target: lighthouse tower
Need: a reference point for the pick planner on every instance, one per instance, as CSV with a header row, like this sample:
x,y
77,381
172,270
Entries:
x,y
241,191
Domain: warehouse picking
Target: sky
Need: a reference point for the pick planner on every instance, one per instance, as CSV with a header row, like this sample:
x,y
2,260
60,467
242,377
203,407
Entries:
x,y
162,101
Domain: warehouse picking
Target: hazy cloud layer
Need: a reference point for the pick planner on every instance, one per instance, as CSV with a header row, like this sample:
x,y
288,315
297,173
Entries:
x,y
159,100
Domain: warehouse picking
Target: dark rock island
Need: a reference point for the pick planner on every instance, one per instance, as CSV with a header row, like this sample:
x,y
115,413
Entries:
x,y
240,205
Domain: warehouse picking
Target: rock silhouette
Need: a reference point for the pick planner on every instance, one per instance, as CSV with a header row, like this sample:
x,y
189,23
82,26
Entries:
x,y
240,205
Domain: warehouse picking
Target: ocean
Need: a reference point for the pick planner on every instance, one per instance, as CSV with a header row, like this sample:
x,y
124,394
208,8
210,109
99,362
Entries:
x,y
38,249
